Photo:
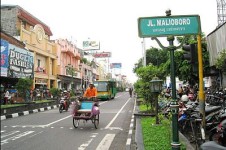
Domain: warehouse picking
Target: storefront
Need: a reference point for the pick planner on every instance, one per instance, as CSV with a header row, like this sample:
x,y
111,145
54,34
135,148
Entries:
x,y
16,63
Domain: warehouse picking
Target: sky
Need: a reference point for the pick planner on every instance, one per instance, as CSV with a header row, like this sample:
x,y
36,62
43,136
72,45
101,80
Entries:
x,y
114,23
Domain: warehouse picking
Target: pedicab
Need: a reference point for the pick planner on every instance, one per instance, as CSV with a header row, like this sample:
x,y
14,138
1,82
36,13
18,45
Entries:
x,y
86,109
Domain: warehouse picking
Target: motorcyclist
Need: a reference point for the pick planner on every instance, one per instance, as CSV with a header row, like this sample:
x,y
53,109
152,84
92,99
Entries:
x,y
90,92
66,96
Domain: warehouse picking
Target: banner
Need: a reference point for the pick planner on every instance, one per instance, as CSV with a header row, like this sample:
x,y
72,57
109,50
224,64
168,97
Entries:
x,y
4,57
102,55
21,62
116,65
91,45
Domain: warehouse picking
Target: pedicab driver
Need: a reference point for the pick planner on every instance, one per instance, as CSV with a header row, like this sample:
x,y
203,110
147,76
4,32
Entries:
x,y
90,92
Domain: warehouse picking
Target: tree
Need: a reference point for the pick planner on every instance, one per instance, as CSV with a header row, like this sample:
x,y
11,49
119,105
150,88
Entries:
x,y
221,61
23,85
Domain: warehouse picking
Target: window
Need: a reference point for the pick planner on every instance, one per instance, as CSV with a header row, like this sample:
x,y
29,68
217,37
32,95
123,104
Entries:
x,y
39,62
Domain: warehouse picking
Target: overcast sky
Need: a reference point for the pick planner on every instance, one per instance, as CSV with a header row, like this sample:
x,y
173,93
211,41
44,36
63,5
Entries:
x,y
114,22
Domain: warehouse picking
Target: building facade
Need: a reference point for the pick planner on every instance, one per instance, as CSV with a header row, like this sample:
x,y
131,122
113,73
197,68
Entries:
x,y
68,60
20,24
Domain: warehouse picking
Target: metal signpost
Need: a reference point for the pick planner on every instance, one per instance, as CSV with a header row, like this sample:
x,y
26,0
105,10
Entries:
x,y
171,26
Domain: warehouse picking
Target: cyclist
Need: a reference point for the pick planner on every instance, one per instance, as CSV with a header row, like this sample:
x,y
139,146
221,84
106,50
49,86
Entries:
x,y
91,91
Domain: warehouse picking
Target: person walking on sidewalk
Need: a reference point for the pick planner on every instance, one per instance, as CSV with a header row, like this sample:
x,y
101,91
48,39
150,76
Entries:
x,y
130,92
6,96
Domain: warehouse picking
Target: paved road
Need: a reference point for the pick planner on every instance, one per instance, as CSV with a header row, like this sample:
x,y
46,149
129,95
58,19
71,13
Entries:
x,y
54,131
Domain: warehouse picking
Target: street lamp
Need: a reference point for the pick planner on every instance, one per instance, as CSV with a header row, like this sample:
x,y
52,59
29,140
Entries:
x,y
156,88
80,68
174,105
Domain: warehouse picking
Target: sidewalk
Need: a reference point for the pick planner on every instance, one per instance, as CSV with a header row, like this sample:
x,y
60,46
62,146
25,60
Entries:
x,y
137,142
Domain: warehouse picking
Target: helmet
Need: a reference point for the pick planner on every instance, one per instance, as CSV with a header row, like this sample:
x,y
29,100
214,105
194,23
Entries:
x,y
65,91
184,98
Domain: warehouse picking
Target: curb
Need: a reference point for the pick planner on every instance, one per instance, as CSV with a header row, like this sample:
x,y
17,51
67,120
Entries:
x,y
14,115
130,138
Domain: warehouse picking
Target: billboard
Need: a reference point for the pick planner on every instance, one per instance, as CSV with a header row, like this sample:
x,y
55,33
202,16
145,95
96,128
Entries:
x,y
91,45
21,63
115,65
4,57
102,55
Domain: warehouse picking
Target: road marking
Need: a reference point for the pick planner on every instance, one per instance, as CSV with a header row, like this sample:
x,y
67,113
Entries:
x,y
115,128
35,134
116,115
106,142
16,137
8,134
57,121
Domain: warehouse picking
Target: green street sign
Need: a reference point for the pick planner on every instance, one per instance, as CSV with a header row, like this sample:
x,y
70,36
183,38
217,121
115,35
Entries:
x,y
168,25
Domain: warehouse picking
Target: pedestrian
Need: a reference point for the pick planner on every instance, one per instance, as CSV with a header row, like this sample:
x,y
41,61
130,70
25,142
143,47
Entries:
x,y
130,92
27,95
34,95
180,91
6,96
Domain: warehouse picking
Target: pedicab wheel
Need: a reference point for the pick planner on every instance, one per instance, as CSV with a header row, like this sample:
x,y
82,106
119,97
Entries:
x,y
96,121
75,122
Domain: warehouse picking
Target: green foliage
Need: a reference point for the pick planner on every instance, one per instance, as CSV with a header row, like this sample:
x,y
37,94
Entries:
x,y
55,92
23,85
160,135
84,60
221,61
156,56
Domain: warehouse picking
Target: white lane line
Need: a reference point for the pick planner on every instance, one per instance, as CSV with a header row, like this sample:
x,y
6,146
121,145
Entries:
x,y
57,121
106,142
116,115
16,137
36,134
8,134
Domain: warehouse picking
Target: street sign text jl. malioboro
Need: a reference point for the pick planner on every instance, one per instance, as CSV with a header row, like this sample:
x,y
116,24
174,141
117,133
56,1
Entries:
x,y
171,25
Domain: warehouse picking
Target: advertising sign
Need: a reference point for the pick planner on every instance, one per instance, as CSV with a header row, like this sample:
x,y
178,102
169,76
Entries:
x,y
91,45
4,58
171,25
21,62
116,65
102,55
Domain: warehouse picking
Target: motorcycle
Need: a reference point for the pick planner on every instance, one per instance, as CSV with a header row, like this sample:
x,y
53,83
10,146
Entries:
x,y
218,134
64,104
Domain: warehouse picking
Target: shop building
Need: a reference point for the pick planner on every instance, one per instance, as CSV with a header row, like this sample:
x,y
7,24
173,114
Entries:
x,y
68,60
16,62
35,35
